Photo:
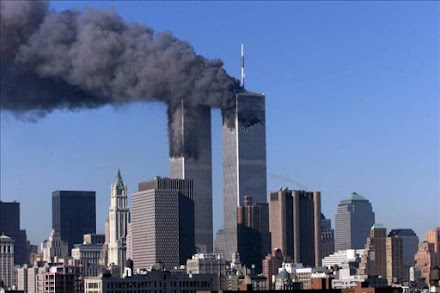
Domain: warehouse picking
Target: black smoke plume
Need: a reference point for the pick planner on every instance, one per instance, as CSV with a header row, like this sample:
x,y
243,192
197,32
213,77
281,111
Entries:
x,y
86,59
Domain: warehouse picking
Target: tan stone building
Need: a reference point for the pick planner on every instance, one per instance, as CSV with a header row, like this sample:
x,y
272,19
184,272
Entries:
x,y
383,256
295,224
394,257
428,254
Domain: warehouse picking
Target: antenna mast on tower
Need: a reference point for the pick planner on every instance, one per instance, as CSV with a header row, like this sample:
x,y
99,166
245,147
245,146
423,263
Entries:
x,y
243,76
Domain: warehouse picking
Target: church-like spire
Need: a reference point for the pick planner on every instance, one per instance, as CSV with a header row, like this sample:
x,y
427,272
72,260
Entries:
x,y
118,180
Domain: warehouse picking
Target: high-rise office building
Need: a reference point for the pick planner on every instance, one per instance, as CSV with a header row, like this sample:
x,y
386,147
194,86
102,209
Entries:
x,y
295,224
10,225
129,242
394,256
194,162
382,255
219,244
162,223
118,218
327,237
433,236
73,215
428,254
410,243
252,232
353,221
244,160
375,252
7,260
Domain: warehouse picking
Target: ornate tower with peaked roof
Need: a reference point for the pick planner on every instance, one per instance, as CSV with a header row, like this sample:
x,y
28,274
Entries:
x,y
118,218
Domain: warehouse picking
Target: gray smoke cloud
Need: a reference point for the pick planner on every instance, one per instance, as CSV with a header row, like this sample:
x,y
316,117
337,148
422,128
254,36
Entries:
x,y
86,59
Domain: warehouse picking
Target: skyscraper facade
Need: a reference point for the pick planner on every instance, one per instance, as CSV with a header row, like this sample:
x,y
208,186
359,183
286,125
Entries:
x,y
410,243
382,255
118,218
73,215
295,224
10,225
353,221
162,223
194,161
219,244
395,268
377,240
244,160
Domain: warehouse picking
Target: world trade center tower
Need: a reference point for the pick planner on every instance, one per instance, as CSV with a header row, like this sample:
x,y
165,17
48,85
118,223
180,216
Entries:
x,y
190,158
244,160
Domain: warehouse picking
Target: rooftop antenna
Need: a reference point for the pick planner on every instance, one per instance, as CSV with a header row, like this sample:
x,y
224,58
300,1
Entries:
x,y
243,76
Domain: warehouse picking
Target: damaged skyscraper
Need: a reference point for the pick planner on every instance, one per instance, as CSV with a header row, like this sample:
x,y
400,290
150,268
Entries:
x,y
191,159
244,161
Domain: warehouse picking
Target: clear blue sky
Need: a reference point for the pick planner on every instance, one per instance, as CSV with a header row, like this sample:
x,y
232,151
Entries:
x,y
352,98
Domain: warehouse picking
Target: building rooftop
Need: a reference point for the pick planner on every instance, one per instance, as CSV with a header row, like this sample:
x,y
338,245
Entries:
x,y
378,226
402,232
354,197
3,236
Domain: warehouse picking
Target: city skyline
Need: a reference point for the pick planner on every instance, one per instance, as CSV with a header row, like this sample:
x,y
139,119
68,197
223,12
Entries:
x,y
353,146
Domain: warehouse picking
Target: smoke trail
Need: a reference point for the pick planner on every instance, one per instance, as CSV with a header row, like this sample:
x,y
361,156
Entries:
x,y
75,60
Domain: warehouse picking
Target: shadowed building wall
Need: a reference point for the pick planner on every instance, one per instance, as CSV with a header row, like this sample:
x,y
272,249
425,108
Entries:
x,y
10,225
252,232
73,215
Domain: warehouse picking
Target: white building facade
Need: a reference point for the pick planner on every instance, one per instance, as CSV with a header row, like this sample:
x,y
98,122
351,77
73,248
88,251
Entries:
x,y
206,263
53,247
118,219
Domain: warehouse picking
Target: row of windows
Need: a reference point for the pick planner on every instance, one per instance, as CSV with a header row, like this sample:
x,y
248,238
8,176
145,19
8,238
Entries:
x,y
6,249
147,284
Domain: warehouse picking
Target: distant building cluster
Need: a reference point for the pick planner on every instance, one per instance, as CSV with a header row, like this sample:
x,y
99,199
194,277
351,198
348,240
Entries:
x,y
164,242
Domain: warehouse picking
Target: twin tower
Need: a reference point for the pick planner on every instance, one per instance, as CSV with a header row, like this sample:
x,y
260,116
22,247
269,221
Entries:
x,y
244,163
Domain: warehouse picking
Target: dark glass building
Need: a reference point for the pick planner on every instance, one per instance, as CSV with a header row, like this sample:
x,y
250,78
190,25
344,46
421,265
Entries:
x,y
410,244
73,215
327,237
10,225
